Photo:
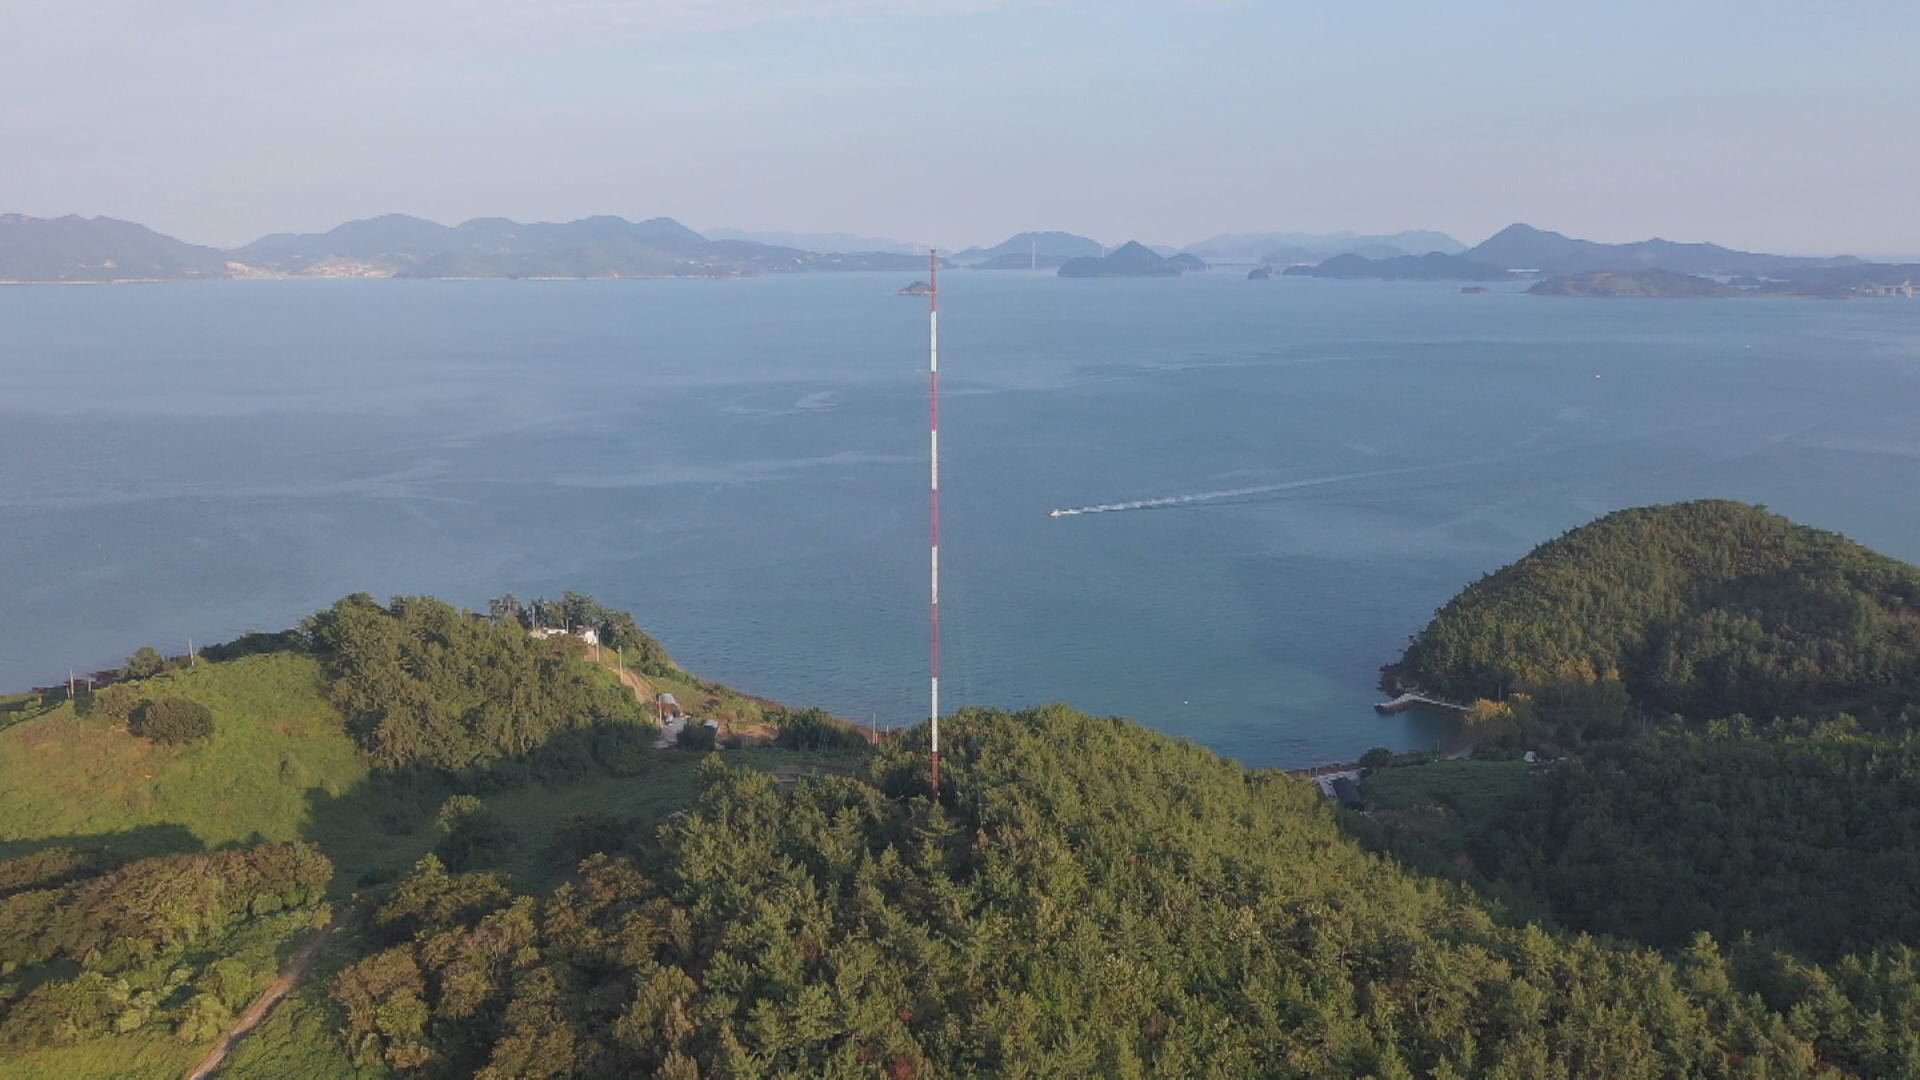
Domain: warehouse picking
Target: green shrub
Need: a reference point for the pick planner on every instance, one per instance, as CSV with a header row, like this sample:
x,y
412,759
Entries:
x,y
173,720
145,663
204,1018
457,809
479,839
696,737
1377,758
117,702
814,729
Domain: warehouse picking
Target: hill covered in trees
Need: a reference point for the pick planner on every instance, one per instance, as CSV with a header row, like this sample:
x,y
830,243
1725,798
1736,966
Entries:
x,y
1633,283
1087,898
537,892
1705,609
1731,695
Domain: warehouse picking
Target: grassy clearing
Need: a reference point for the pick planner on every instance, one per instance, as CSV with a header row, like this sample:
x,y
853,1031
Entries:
x,y
1428,817
63,775
1469,790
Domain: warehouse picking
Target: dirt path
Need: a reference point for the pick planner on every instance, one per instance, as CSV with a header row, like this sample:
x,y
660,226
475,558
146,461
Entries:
x,y
262,1005
642,689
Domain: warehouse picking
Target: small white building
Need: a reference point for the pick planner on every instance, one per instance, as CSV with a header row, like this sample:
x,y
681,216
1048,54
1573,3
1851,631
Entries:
x,y
668,705
589,635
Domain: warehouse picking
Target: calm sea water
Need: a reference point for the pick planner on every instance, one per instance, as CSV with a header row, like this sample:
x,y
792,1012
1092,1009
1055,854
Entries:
x,y
743,464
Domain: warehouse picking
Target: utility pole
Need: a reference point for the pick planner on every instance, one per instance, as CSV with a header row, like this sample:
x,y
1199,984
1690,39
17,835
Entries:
x,y
933,416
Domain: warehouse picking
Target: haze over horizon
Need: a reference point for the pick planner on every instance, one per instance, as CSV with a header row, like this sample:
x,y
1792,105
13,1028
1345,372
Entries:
x,y
1763,126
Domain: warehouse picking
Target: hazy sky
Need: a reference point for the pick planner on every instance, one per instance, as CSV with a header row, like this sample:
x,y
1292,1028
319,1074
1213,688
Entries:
x,y
1787,126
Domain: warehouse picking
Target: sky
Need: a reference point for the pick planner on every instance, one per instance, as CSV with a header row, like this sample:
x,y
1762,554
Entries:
x,y
1776,126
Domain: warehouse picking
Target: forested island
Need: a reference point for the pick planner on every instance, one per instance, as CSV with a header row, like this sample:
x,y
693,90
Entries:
x,y
1648,283
1718,708
507,868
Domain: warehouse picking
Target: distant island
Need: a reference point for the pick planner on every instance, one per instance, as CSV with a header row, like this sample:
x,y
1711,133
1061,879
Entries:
x,y
1433,266
918,288
1646,268
1643,283
1030,251
1132,259
1287,248
76,249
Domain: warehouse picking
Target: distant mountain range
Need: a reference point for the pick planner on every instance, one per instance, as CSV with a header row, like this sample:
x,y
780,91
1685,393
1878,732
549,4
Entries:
x,y
74,248
1525,250
1525,247
496,247
396,245
1028,250
1132,259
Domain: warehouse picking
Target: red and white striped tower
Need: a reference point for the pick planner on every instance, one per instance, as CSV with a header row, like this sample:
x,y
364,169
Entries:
x,y
933,416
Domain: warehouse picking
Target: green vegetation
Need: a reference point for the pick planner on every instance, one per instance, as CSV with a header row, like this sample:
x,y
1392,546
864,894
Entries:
x,y
145,663
1704,609
277,747
424,683
1645,640
81,794
544,894
1634,283
1803,835
1085,901
172,720
88,949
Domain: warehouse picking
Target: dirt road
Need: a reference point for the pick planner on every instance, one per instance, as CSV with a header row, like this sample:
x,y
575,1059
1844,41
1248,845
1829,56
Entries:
x,y
262,1005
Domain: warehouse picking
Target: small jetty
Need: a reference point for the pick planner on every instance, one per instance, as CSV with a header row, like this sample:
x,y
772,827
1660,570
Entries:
x,y
1415,700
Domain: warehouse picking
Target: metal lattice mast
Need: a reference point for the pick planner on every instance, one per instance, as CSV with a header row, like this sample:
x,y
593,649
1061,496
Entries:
x,y
933,446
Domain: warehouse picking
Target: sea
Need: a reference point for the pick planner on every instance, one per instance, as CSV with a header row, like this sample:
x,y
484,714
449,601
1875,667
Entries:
x,y
1300,471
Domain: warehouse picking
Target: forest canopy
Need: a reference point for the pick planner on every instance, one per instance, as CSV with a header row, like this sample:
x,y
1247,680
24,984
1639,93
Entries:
x,y
1705,609
424,683
1088,898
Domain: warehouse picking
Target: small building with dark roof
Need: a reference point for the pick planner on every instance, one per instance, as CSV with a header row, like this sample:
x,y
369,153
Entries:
x,y
1348,793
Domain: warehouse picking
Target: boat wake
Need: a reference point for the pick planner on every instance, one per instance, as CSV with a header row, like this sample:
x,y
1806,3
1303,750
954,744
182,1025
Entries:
x,y
1231,493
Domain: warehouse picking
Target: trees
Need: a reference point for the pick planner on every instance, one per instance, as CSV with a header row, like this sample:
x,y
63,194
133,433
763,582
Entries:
x,y
172,720
145,663
106,947
424,683
1704,608
1088,898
